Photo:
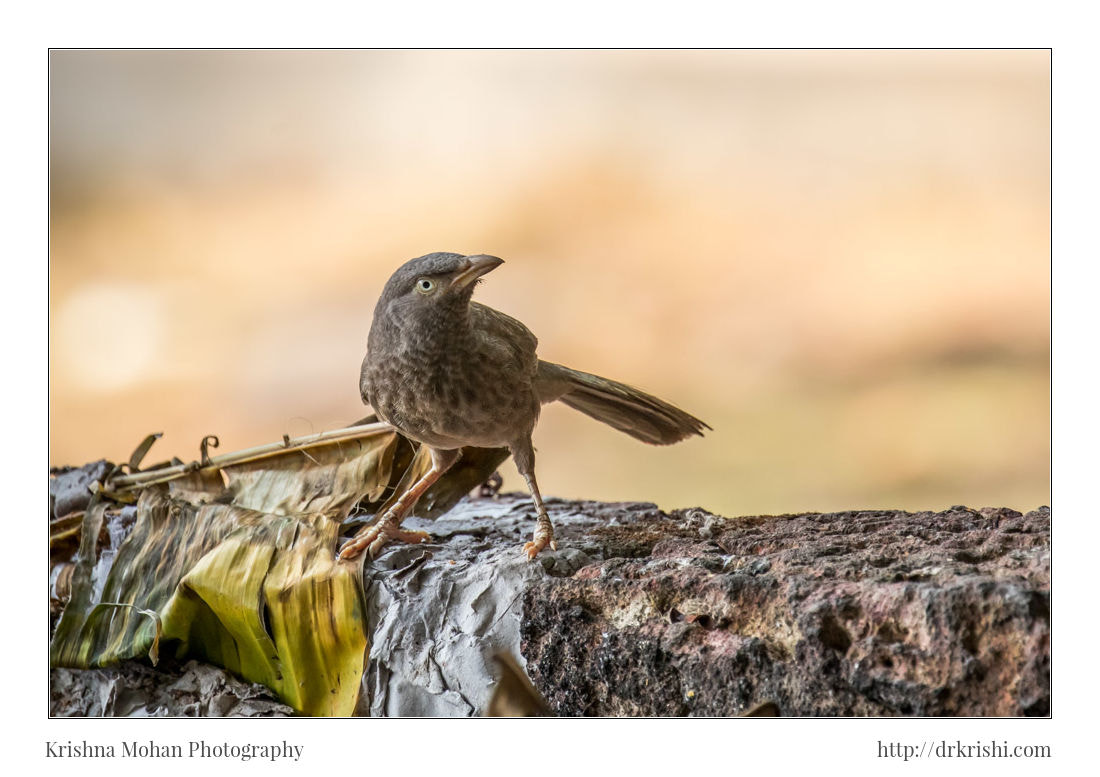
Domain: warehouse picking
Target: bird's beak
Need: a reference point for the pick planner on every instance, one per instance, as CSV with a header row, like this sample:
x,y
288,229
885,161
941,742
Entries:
x,y
478,266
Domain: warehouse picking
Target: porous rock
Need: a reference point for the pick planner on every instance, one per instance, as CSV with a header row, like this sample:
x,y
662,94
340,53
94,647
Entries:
x,y
645,613
641,612
856,613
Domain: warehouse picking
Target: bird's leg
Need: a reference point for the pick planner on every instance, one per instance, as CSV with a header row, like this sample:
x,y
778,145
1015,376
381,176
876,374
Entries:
x,y
524,456
544,530
375,537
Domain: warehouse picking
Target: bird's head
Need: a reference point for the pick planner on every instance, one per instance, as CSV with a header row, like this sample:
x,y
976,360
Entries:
x,y
434,285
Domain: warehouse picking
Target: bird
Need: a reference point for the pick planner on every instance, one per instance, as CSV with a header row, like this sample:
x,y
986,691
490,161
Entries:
x,y
447,372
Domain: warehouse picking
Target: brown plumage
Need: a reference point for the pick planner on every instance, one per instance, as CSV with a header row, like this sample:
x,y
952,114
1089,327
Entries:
x,y
448,372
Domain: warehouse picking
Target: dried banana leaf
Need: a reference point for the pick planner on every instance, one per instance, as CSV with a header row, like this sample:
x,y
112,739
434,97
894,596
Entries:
x,y
234,562
243,576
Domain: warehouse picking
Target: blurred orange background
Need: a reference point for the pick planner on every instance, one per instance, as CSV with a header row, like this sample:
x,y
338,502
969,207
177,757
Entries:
x,y
838,259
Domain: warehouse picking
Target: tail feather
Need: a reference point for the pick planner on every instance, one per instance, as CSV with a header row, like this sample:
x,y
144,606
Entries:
x,y
641,415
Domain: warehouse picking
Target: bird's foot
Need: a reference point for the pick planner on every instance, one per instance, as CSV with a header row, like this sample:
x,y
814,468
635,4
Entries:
x,y
376,536
537,545
544,535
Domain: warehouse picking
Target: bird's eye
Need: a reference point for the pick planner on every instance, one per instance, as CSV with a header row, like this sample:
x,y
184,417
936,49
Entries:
x,y
425,285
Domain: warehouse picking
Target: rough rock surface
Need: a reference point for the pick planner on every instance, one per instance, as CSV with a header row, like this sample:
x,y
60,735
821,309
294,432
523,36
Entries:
x,y
438,612
857,613
133,690
646,613
69,487
640,612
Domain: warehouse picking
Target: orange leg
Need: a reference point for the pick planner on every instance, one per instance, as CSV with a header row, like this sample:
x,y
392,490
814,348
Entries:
x,y
544,530
524,455
388,528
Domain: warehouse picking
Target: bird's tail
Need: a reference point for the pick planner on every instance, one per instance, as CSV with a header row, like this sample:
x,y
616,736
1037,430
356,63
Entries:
x,y
641,415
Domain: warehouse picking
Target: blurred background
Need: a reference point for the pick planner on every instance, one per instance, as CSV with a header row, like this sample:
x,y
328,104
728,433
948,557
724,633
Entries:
x,y
838,259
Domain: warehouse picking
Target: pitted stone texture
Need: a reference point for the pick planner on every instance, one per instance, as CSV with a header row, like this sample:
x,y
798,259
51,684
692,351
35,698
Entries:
x,y
640,612
857,613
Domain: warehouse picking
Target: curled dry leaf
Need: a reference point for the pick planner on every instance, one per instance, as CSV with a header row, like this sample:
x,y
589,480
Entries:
x,y
234,562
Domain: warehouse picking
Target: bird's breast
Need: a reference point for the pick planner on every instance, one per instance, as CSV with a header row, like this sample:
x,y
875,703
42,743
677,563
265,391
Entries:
x,y
451,395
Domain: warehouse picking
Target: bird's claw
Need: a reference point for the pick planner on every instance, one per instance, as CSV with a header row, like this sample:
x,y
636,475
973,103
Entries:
x,y
537,545
374,538
544,535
